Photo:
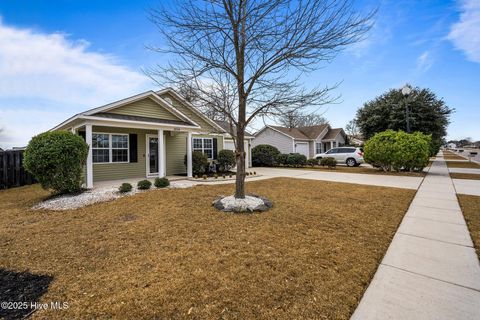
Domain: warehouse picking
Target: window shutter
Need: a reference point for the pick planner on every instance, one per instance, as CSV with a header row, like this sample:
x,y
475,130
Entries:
x,y
214,148
132,141
83,135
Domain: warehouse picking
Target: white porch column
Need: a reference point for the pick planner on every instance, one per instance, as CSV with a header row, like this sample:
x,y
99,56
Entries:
x,y
331,144
88,140
161,155
189,155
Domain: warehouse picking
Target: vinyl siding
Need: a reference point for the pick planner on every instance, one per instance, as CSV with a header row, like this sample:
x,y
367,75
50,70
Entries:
x,y
145,108
206,127
176,146
268,136
115,171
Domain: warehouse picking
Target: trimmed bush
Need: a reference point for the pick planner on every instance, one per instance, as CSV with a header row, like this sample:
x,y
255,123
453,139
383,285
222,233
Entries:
x,y
399,151
56,160
328,162
264,155
312,162
199,162
161,182
125,187
144,184
296,160
226,160
282,159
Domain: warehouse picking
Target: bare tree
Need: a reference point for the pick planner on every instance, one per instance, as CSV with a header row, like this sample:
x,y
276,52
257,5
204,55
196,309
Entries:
x,y
247,57
297,119
352,128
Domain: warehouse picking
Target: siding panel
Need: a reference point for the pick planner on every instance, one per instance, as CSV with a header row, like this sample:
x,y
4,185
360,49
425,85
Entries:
x,y
268,136
145,108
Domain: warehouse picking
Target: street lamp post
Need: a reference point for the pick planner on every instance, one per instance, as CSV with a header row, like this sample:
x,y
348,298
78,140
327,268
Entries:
x,y
406,90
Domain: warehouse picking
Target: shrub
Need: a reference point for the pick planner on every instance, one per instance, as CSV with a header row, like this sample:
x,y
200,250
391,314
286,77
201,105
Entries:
x,y
282,159
199,162
125,187
56,160
255,172
328,162
226,160
296,160
264,155
204,176
196,176
391,150
230,175
224,176
312,162
215,176
144,184
161,182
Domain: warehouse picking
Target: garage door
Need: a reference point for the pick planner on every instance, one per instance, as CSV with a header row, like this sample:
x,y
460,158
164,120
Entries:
x,y
302,148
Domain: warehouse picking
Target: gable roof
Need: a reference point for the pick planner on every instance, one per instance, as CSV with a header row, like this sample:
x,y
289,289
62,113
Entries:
x,y
191,106
291,132
332,134
314,131
226,126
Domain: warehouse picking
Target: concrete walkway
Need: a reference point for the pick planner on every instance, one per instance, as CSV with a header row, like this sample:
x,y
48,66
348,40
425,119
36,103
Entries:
x,y
430,270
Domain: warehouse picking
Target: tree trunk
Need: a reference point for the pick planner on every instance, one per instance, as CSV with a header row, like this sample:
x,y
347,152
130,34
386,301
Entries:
x,y
240,161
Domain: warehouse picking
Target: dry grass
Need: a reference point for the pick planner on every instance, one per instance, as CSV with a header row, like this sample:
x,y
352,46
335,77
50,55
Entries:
x,y
469,176
471,211
447,155
465,164
167,254
364,170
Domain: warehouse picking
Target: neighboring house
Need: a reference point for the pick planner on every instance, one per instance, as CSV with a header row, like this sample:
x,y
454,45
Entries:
x,y
124,137
305,140
355,140
452,145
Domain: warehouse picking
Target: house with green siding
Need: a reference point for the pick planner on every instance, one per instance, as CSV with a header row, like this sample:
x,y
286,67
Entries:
x,y
148,135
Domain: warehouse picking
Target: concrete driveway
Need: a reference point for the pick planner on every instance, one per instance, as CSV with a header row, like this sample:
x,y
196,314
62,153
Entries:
x,y
358,178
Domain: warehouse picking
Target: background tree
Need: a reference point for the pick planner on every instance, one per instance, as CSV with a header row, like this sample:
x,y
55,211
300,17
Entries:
x,y
297,119
245,58
352,128
428,114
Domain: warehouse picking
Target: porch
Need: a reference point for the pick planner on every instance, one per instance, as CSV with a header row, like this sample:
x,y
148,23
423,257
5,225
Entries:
x,y
133,152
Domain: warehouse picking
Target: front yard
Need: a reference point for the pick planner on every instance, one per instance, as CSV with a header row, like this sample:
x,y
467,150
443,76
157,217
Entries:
x,y
471,211
463,164
362,169
168,254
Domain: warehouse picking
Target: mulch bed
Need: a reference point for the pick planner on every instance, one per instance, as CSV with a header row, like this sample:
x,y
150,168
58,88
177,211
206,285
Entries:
x,y
168,254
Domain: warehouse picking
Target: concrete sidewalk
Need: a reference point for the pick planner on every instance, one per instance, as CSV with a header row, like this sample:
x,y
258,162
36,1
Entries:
x,y
430,270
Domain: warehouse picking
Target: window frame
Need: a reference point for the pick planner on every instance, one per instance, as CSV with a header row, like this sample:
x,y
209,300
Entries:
x,y
110,147
317,149
202,149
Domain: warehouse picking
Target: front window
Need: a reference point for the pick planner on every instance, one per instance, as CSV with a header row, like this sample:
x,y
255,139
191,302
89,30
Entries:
x,y
100,148
204,145
109,148
318,147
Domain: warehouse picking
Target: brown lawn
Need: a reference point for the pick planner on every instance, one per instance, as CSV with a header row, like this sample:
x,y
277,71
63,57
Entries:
x,y
471,211
470,176
364,170
167,254
465,164
447,155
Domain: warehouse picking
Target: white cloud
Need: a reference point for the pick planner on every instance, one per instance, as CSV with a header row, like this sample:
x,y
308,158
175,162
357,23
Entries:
x,y
465,34
41,72
424,61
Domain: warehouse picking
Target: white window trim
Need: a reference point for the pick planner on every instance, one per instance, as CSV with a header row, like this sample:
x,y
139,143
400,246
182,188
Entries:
x,y
110,147
203,146
317,145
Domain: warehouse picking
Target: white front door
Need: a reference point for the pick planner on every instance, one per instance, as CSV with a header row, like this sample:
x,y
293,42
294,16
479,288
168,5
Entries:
x,y
302,148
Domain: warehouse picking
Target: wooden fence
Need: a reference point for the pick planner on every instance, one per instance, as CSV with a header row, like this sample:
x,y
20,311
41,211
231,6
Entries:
x,y
12,173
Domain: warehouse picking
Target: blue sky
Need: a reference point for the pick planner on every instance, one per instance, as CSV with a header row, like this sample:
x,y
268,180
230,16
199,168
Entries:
x,y
58,58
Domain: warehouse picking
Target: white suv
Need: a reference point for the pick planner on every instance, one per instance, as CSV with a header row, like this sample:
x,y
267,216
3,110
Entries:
x,y
349,155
